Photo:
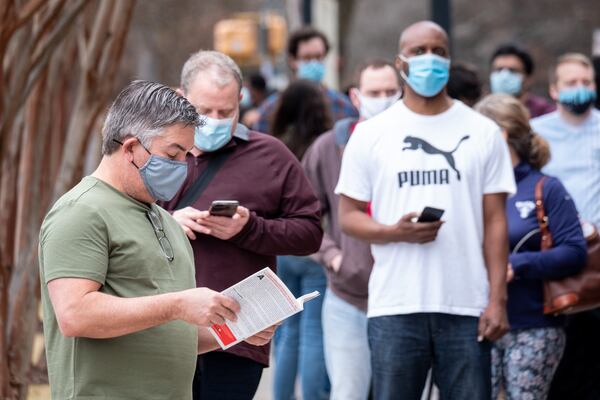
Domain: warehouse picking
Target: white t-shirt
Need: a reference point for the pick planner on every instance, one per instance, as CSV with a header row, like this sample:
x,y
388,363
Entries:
x,y
401,161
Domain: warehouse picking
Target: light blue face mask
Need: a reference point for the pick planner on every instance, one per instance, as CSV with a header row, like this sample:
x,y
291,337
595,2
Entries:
x,y
371,106
427,73
506,81
246,101
577,99
312,70
214,134
162,176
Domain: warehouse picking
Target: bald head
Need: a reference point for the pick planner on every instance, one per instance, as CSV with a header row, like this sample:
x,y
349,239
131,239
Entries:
x,y
423,35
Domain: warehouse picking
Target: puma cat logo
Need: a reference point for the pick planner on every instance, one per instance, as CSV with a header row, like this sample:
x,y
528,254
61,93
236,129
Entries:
x,y
415,143
525,208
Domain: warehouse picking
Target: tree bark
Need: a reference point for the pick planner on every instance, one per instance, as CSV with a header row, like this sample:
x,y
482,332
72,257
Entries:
x,y
52,90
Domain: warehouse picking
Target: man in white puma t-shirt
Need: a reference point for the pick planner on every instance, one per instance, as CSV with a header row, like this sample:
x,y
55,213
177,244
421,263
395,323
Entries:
x,y
437,292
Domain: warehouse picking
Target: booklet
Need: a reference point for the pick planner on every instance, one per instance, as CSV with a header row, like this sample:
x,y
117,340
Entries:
x,y
264,301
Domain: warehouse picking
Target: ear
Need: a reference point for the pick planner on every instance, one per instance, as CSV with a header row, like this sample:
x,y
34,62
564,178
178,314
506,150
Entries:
x,y
401,66
179,91
293,64
398,63
553,90
354,98
128,146
527,81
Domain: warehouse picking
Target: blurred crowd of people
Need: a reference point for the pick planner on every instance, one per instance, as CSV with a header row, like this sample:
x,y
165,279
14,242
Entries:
x,y
558,136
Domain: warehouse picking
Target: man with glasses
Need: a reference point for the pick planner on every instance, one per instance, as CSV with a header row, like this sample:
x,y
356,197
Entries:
x,y
122,316
307,49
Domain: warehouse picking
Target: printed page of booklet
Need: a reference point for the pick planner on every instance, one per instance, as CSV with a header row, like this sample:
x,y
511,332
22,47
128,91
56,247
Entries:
x,y
264,301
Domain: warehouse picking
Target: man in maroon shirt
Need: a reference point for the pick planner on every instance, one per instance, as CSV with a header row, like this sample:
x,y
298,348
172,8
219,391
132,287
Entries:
x,y
278,212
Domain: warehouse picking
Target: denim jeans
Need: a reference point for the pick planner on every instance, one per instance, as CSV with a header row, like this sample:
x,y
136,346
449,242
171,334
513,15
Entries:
x,y
346,349
404,347
298,346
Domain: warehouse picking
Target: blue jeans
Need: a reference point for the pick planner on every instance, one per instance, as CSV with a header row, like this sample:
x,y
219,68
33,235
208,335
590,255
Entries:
x,y
299,340
404,347
346,349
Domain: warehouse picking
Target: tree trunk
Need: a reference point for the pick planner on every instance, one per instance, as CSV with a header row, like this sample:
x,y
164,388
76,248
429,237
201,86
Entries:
x,y
53,85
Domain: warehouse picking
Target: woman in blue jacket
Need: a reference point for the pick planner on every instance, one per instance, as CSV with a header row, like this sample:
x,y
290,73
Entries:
x,y
525,359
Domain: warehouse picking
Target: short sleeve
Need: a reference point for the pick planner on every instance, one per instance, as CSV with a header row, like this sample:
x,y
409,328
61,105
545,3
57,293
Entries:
x,y
498,170
74,244
354,178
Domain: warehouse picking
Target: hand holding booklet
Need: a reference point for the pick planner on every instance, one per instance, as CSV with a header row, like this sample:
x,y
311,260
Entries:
x,y
264,301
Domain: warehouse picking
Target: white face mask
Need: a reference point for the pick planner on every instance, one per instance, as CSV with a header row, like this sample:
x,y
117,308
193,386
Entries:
x,y
371,106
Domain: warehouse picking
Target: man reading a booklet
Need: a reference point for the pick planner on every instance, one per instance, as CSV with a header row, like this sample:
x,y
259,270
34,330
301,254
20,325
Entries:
x,y
123,318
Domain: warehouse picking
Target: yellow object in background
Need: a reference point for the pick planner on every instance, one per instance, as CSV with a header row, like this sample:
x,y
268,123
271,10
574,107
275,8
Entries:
x,y
238,37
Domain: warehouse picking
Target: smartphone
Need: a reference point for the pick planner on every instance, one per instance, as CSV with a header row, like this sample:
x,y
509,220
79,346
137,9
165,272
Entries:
x,y
430,214
223,208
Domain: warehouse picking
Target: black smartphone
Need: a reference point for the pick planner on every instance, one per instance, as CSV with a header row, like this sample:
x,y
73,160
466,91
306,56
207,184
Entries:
x,y
430,214
223,208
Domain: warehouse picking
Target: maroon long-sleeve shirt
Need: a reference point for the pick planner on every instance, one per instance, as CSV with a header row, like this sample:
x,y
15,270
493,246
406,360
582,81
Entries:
x,y
265,177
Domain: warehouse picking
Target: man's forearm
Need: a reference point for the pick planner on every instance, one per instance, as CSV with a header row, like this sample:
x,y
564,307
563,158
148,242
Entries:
x,y
496,260
328,251
495,248
299,235
360,225
101,316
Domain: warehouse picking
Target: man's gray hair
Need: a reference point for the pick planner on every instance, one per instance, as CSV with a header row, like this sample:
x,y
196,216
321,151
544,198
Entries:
x,y
142,110
218,67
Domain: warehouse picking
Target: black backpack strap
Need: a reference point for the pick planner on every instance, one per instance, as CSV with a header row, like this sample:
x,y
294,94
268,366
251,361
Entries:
x,y
196,189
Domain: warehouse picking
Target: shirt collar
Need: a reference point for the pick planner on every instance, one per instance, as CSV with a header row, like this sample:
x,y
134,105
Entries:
x,y
522,170
241,132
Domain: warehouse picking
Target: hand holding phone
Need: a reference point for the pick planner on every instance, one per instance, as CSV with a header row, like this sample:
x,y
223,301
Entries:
x,y
430,214
223,208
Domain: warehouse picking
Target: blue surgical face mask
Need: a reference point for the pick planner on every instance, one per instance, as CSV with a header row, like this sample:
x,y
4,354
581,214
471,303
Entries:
x,y
162,176
506,81
577,99
312,70
427,73
214,134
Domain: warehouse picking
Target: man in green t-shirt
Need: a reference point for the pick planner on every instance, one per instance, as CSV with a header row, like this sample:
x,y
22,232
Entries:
x,y
122,316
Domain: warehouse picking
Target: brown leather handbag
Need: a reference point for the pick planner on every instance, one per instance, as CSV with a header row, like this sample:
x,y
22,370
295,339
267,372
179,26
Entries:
x,y
574,293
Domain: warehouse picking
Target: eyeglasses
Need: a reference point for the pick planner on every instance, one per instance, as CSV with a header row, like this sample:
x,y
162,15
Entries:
x,y
163,241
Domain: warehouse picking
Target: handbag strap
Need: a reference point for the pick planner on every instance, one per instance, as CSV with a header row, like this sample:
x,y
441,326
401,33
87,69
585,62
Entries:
x,y
542,218
196,189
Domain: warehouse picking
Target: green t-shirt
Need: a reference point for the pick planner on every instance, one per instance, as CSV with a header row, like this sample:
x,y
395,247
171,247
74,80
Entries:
x,y
98,233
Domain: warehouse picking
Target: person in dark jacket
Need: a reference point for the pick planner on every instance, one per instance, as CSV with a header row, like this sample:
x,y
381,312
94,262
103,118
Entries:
x,y
525,359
